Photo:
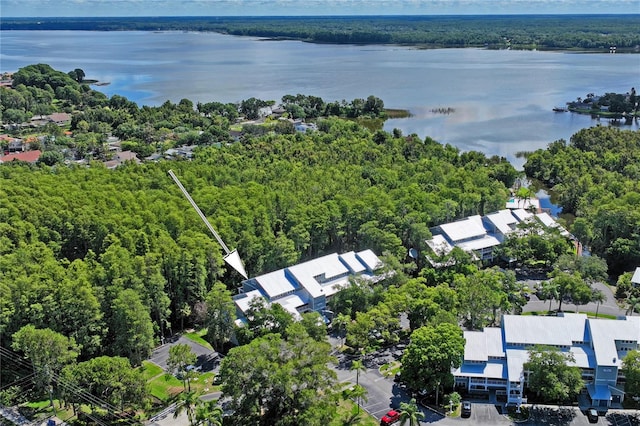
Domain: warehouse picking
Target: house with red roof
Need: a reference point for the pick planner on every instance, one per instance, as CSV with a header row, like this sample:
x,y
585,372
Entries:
x,y
27,156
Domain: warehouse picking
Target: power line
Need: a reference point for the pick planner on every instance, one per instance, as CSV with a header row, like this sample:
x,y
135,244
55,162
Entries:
x,y
77,390
22,382
93,399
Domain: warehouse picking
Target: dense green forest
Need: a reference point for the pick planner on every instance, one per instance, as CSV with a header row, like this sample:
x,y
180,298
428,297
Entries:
x,y
548,32
596,177
97,264
278,198
113,259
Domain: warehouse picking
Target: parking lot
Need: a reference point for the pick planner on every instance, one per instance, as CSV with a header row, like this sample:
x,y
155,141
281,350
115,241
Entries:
x,y
384,394
619,419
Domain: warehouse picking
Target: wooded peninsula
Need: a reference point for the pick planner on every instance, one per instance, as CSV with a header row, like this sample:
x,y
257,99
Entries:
x,y
593,33
99,265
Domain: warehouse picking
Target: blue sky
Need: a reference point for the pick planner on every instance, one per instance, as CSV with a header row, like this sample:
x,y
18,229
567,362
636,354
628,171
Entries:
x,y
42,8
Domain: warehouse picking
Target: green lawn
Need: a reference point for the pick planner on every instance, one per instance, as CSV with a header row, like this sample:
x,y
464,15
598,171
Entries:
x,y
42,410
390,369
166,386
197,336
150,370
348,410
203,383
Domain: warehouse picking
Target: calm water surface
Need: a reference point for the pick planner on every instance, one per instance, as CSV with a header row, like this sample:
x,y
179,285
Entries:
x,y
503,100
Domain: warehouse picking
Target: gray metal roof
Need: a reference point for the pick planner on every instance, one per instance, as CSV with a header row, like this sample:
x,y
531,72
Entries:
x,y
470,227
480,345
535,330
352,262
275,284
369,258
503,221
605,333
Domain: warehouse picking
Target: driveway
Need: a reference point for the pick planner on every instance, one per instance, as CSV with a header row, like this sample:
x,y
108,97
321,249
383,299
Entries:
x,y
207,359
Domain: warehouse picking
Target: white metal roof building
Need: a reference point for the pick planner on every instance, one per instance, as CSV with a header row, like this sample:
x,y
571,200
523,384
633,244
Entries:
x,y
464,230
494,358
308,285
480,234
501,223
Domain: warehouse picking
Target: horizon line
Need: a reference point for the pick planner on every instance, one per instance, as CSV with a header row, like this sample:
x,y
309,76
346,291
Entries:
x,y
326,16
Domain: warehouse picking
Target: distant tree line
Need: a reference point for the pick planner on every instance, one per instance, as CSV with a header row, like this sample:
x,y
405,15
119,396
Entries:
x,y
543,32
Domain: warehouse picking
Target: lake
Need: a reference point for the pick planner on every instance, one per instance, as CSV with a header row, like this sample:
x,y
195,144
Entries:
x,y
502,99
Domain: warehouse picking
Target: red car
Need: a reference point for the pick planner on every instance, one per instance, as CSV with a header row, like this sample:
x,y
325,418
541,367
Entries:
x,y
390,418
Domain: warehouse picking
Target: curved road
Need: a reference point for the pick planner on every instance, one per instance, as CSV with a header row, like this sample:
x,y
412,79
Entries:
x,y
608,307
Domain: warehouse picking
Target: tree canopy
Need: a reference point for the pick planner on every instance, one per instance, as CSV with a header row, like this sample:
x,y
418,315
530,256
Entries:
x,y
273,381
551,377
580,32
112,257
597,178
107,262
431,355
631,371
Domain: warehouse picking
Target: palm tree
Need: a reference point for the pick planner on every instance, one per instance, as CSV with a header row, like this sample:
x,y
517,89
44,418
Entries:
x,y
358,366
208,413
598,297
339,324
358,393
353,418
633,304
549,291
187,402
409,411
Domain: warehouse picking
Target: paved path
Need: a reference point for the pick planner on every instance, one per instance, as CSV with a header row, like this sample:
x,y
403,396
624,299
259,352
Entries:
x,y
608,307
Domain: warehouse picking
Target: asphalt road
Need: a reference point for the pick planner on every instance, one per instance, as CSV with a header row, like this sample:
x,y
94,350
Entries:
x,y
207,358
608,307
382,393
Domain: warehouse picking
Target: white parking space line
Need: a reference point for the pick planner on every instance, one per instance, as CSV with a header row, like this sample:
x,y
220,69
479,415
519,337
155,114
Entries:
x,y
377,407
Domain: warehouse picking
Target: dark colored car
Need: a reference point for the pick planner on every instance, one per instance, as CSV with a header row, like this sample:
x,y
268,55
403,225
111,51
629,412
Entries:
x,y
592,415
390,418
465,411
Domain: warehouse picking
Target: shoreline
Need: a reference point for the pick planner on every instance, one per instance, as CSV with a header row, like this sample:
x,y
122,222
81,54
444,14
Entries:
x,y
610,33
416,45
